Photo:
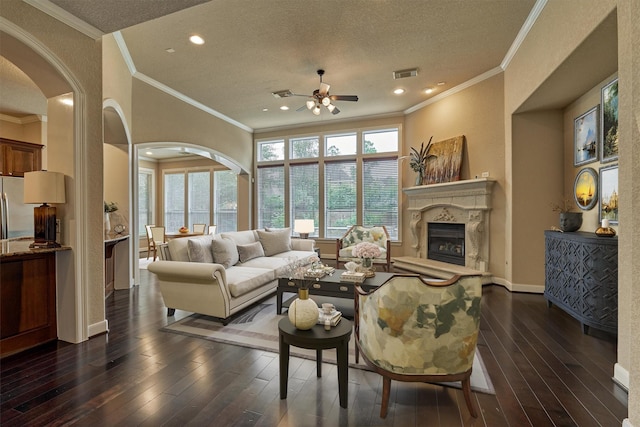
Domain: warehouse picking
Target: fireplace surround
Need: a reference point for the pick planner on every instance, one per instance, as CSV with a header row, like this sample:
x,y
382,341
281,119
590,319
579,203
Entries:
x,y
465,202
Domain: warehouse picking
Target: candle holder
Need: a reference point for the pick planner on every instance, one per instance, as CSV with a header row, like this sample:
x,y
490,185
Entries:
x,y
604,230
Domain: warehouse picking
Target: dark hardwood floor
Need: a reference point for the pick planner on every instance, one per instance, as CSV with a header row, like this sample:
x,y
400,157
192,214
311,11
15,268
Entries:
x,y
544,370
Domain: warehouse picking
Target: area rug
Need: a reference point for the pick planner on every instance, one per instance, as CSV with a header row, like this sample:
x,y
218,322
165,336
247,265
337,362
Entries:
x,y
257,328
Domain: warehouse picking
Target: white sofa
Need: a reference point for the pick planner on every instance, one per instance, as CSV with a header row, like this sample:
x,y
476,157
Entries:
x,y
219,275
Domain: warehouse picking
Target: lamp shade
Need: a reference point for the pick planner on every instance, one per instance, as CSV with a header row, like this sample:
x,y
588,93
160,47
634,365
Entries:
x,y
303,226
44,187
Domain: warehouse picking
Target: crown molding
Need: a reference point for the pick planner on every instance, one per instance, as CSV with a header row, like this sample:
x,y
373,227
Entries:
x,y
66,18
456,89
522,34
34,118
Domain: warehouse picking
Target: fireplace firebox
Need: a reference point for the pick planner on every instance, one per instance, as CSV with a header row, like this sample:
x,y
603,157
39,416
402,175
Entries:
x,y
445,242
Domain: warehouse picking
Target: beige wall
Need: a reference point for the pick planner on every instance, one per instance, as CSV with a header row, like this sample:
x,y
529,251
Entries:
x,y
78,60
116,182
476,113
629,185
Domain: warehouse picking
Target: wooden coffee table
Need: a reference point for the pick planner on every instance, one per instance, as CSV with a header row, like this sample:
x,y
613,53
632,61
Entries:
x,y
329,286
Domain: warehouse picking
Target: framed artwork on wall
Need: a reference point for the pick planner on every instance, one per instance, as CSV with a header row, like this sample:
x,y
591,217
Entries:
x,y
585,134
609,118
608,190
585,189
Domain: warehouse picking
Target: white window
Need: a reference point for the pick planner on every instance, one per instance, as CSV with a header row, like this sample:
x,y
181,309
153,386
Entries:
x,y
338,180
271,194
199,198
174,201
225,213
146,190
304,188
341,198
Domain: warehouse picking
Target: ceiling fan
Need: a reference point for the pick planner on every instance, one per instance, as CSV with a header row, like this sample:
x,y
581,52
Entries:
x,y
321,97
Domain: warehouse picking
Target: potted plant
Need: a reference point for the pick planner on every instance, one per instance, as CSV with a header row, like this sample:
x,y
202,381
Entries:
x,y
570,219
108,208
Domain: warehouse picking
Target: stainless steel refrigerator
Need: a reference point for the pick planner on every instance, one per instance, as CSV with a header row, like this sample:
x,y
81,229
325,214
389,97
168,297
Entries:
x,y
16,218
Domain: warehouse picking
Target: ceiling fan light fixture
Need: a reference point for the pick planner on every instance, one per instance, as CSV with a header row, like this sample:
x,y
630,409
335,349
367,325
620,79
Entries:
x,y
326,101
331,107
310,104
316,110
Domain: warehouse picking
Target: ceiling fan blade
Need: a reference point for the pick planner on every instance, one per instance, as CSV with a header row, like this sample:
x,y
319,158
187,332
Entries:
x,y
304,107
343,97
324,89
335,111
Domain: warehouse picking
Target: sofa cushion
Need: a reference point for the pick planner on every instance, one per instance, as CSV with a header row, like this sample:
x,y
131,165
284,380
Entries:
x,y
199,249
224,252
250,251
178,250
275,242
241,279
241,237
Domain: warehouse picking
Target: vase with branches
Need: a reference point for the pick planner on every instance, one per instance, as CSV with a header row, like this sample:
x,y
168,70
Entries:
x,y
419,159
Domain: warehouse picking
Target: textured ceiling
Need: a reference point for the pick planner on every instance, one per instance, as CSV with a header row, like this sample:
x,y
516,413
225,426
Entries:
x,y
254,48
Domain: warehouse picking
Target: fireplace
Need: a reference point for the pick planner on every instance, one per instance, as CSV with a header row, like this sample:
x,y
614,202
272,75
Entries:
x,y
464,205
445,242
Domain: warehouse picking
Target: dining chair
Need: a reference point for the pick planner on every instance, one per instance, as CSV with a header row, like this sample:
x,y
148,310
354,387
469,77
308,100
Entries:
x,y
199,228
212,229
157,238
149,238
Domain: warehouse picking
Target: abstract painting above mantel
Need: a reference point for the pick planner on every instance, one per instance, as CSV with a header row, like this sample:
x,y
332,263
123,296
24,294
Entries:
x,y
445,160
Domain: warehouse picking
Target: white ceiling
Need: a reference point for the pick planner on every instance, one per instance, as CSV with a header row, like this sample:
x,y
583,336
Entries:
x,y
253,48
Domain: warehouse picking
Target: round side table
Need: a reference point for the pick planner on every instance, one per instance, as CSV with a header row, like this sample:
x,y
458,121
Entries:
x,y
316,338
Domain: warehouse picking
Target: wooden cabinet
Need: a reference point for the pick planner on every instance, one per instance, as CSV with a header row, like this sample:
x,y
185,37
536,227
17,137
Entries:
x,y
581,277
28,301
17,157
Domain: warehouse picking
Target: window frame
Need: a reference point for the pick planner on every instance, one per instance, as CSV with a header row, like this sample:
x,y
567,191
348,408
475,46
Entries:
x,y
322,160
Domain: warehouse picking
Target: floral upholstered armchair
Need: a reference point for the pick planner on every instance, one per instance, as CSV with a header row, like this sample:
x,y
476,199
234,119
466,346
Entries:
x,y
412,330
358,234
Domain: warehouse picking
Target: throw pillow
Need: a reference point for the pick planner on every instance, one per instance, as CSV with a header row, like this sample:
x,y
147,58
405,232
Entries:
x,y
224,252
275,242
250,251
199,250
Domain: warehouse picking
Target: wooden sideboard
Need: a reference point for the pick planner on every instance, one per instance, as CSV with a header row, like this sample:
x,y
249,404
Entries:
x,y
581,277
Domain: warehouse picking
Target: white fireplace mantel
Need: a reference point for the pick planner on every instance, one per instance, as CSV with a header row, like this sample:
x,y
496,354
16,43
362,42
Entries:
x,y
463,202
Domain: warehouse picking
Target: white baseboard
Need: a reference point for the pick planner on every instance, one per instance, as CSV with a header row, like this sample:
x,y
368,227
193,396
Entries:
x,y
626,423
518,287
621,376
98,328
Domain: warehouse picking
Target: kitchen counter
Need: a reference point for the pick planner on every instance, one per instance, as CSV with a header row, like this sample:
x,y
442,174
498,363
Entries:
x,y
19,247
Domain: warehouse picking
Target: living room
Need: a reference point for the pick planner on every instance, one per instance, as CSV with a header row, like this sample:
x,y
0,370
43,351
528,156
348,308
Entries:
x,y
511,127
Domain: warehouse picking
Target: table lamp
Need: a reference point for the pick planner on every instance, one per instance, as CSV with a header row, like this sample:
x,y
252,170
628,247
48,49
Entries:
x,y
303,227
44,187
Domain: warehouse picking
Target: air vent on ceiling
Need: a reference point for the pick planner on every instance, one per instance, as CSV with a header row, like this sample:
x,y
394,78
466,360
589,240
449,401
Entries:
x,y
401,74
282,93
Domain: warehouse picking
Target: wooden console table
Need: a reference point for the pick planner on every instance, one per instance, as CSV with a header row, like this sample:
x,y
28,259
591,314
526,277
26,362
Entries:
x,y
581,277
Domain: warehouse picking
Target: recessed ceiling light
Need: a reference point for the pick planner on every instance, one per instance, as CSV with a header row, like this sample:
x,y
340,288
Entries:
x,y
399,91
195,39
148,153
284,108
170,50
265,109
428,90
